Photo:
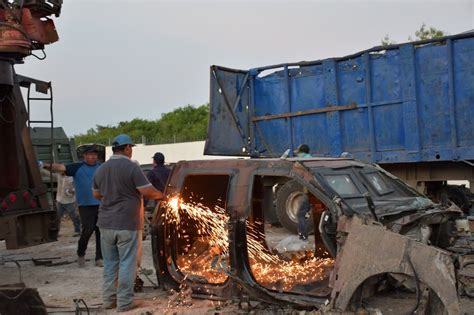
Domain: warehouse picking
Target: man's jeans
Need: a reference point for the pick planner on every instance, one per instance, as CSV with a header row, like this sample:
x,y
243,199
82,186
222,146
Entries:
x,y
301,215
70,208
121,250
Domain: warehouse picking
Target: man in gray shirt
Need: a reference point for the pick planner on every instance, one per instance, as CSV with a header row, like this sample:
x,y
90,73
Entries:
x,y
120,184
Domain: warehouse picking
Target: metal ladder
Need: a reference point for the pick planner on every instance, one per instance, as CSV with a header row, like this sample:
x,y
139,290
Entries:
x,y
49,98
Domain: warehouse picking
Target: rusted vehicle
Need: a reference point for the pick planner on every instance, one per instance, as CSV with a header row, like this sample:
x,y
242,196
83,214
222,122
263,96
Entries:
x,y
25,215
372,231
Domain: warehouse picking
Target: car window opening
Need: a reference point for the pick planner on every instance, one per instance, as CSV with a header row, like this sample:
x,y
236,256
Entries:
x,y
279,259
201,249
342,184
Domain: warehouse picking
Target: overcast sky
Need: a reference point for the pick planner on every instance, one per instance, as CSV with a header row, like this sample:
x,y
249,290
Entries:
x,y
118,60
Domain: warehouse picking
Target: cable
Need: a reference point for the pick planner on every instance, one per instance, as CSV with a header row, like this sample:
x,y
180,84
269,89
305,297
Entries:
x,y
155,286
78,308
40,58
11,298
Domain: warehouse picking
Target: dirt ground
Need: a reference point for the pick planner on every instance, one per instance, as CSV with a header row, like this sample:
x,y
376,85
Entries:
x,y
59,285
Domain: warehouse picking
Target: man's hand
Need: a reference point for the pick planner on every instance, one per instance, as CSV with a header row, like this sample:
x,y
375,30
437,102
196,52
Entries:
x,y
97,195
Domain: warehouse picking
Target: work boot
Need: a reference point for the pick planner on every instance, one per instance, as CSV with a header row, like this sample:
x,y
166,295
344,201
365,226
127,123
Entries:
x,y
303,237
81,261
138,286
128,307
110,305
99,263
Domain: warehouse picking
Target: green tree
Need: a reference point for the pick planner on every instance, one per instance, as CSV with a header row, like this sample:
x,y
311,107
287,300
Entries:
x,y
423,33
386,41
186,123
427,33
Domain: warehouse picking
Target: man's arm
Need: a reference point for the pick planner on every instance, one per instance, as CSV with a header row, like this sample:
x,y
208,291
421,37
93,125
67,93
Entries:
x,y
55,167
144,186
97,195
151,192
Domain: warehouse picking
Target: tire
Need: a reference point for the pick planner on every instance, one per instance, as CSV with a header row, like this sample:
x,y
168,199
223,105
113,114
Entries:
x,y
457,195
287,203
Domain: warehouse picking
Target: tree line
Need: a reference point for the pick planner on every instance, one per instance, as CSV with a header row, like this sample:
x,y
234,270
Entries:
x,y
186,123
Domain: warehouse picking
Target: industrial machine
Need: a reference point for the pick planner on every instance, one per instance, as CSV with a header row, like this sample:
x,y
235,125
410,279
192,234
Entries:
x,y
26,217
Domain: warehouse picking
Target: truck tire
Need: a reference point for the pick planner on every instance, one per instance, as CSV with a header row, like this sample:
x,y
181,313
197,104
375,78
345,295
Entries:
x,y
458,196
287,203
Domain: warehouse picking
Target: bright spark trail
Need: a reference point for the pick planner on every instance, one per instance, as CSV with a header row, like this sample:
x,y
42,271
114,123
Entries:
x,y
205,233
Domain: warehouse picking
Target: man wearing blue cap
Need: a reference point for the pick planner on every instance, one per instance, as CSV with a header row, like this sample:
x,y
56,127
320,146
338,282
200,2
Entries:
x,y
120,184
82,173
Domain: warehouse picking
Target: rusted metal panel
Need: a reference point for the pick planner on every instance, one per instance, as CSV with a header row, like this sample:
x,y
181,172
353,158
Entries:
x,y
29,228
369,249
466,275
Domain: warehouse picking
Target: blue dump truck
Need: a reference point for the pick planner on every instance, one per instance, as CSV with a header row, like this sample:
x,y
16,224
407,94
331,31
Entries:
x,y
408,107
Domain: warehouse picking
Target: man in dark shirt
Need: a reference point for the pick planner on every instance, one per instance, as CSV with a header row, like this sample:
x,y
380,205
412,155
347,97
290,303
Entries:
x,y
120,184
82,173
158,176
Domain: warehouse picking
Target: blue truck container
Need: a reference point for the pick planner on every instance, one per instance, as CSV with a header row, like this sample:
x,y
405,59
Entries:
x,y
408,107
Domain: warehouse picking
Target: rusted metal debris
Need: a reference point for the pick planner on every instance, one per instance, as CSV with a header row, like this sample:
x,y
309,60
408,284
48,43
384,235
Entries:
x,y
18,299
368,250
413,243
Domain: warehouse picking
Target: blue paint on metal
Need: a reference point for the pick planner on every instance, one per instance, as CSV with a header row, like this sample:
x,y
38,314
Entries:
x,y
452,102
368,100
411,125
331,98
289,122
411,102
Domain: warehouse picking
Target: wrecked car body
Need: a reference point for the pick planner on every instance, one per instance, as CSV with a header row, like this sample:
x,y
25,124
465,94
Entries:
x,y
370,230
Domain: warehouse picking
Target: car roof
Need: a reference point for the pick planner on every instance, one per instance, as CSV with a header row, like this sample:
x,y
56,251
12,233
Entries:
x,y
260,162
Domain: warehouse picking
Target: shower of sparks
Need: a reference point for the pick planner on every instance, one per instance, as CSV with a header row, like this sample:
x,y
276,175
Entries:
x,y
209,250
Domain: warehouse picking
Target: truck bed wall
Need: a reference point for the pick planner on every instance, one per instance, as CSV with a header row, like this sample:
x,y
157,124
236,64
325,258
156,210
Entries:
x,y
404,103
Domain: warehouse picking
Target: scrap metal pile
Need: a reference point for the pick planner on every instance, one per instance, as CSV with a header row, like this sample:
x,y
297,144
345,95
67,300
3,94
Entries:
x,y
213,236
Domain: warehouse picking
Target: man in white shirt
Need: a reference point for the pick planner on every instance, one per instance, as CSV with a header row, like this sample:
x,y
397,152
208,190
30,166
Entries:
x,y
66,202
